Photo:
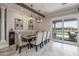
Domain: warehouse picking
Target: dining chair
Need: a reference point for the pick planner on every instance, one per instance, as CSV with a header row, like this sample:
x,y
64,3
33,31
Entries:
x,y
44,38
37,41
20,43
48,36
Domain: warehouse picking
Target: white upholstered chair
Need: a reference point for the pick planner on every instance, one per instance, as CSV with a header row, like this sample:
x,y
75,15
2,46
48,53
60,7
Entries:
x,y
48,36
20,44
38,40
44,38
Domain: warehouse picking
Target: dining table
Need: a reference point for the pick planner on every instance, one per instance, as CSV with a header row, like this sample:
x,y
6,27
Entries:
x,y
28,38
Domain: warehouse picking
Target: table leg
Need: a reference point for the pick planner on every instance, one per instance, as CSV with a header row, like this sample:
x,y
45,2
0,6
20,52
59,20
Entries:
x,y
29,46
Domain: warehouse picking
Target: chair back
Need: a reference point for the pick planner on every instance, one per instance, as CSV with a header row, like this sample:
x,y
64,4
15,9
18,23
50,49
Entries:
x,y
39,37
44,36
48,35
18,39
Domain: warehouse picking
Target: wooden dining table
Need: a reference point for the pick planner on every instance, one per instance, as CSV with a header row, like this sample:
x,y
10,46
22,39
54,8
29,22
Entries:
x,y
28,38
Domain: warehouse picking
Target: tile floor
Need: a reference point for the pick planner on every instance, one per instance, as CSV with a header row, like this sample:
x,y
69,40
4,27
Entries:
x,y
51,49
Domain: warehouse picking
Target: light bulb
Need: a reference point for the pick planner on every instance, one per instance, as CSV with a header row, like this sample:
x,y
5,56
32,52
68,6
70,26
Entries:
x,y
38,21
41,20
31,18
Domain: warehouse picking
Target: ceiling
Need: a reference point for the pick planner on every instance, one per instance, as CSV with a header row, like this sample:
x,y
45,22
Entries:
x,y
46,8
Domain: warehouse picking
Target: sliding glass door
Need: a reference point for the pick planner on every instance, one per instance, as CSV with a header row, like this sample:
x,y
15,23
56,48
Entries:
x,y
65,29
70,30
57,30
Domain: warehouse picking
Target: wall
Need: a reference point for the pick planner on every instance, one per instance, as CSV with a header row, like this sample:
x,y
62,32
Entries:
x,y
11,15
43,26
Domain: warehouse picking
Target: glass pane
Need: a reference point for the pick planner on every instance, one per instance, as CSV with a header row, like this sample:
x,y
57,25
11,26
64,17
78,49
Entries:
x,y
57,31
70,30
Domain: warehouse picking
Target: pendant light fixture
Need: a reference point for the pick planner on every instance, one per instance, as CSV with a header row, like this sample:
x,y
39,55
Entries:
x,y
39,20
31,13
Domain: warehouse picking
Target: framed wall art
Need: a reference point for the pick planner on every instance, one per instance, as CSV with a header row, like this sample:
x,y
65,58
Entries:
x,y
18,24
31,24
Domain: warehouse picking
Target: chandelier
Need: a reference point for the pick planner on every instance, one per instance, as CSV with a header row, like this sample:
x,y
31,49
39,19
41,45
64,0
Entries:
x,y
31,18
39,20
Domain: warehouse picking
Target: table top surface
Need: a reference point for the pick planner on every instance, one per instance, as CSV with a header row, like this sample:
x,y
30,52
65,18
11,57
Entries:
x,y
29,37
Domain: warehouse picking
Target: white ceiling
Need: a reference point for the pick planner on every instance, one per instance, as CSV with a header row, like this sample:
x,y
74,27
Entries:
x,y
47,8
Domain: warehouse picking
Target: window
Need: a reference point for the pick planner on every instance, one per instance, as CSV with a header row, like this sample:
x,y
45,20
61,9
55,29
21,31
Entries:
x,y
65,29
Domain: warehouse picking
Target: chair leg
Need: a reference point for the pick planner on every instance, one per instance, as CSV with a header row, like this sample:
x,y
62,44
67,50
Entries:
x,y
40,46
42,43
48,40
31,45
28,46
45,42
16,47
36,48
20,49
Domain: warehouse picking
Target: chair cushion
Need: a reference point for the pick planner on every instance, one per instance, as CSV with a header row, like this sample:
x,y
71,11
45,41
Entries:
x,y
34,42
